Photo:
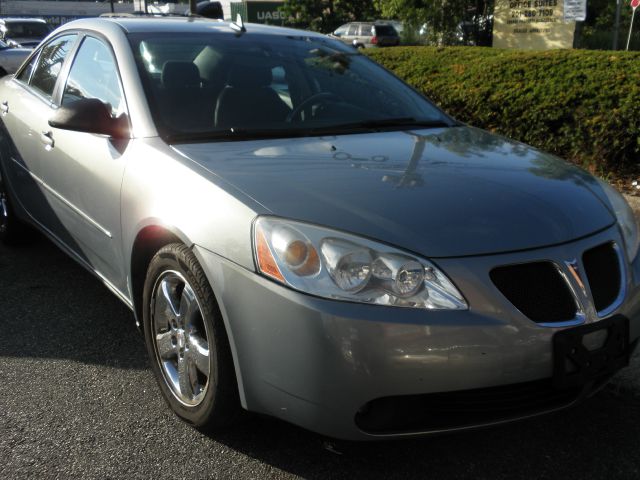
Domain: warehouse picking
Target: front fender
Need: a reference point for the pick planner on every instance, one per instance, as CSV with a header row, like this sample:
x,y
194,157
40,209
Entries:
x,y
162,188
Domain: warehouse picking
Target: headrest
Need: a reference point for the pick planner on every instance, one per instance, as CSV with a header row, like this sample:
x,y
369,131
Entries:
x,y
180,75
249,76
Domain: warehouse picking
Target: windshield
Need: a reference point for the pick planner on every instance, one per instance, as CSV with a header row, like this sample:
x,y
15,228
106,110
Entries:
x,y
252,85
27,29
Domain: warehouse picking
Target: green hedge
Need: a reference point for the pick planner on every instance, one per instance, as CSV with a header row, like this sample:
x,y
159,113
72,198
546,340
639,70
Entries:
x,y
581,105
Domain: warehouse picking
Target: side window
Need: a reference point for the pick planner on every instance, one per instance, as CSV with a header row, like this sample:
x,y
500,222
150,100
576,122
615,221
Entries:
x,y
340,31
50,63
25,74
280,84
94,75
353,30
365,30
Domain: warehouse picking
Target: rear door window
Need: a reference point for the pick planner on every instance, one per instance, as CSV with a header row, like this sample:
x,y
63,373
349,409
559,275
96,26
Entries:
x,y
27,29
280,85
26,72
366,30
50,63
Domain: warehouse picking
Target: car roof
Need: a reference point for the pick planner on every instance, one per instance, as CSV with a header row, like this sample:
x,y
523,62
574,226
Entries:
x,y
178,25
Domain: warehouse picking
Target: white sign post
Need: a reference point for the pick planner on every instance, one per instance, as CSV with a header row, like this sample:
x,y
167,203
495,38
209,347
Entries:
x,y
575,10
634,4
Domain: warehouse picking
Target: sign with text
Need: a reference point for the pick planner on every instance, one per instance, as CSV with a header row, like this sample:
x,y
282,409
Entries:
x,y
532,25
575,10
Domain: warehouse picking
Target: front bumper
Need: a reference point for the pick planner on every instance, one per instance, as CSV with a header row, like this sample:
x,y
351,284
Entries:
x,y
317,363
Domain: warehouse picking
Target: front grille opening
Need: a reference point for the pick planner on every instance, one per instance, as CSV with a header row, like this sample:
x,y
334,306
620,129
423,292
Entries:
x,y
538,290
602,267
442,411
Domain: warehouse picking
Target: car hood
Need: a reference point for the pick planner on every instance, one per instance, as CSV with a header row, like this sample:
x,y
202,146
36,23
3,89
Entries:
x,y
438,192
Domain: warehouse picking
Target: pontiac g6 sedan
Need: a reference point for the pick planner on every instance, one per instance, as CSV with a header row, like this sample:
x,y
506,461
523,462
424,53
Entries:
x,y
301,234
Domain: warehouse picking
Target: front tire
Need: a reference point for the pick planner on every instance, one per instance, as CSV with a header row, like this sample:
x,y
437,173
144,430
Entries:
x,y
187,341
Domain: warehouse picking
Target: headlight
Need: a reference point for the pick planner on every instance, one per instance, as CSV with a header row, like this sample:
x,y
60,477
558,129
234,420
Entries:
x,y
336,265
626,219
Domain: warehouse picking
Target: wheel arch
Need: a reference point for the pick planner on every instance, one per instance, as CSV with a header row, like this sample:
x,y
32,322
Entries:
x,y
148,241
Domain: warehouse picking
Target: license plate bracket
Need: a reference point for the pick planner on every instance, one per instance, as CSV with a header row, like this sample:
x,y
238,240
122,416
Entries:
x,y
575,365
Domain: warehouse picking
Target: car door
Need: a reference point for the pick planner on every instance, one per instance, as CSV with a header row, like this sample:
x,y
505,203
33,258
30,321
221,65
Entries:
x,y
25,110
352,33
84,171
364,34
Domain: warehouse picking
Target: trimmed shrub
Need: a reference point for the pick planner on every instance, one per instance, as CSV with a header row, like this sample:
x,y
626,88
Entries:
x,y
581,105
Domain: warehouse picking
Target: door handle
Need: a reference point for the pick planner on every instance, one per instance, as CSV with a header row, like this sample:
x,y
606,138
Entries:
x,y
47,139
4,107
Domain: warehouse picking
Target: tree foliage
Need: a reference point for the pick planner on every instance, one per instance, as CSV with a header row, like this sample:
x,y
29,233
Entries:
x,y
581,105
449,22
446,21
598,30
326,15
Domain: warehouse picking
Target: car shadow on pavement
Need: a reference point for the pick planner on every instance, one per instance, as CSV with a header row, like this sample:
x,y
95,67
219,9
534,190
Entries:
x,y
53,308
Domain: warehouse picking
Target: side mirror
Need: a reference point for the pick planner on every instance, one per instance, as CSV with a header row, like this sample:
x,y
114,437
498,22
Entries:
x,y
90,115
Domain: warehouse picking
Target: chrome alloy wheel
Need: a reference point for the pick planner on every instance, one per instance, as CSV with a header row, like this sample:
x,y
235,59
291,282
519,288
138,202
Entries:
x,y
181,340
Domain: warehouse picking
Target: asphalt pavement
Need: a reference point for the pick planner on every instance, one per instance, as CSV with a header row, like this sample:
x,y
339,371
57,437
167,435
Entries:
x,y
78,400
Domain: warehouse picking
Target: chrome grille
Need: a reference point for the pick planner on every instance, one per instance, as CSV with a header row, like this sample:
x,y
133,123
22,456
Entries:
x,y
538,290
602,267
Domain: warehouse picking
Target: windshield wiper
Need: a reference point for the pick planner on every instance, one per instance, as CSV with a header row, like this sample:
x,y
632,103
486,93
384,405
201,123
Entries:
x,y
236,134
264,133
391,122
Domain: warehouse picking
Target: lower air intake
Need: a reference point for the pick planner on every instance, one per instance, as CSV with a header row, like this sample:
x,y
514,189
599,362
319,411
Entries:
x,y
443,411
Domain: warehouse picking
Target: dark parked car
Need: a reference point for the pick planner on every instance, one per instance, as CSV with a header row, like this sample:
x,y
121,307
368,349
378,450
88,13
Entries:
x,y
367,34
300,234
11,58
23,32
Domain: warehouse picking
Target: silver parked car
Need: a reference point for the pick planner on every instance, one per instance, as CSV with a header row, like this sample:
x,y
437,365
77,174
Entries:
x,y
301,234
367,34
11,58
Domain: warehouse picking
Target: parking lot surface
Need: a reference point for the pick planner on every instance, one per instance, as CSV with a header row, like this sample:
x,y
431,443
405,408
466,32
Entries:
x,y
77,399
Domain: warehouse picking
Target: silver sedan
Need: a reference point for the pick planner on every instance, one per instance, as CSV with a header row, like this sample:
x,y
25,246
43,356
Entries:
x,y
300,234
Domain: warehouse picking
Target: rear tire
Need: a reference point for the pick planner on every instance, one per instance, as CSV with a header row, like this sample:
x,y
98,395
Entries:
x,y
187,341
12,230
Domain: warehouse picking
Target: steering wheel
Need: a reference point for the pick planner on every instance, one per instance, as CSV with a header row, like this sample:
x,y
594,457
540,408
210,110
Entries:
x,y
315,99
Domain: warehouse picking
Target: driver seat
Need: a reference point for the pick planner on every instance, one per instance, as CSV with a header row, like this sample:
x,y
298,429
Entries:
x,y
248,99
